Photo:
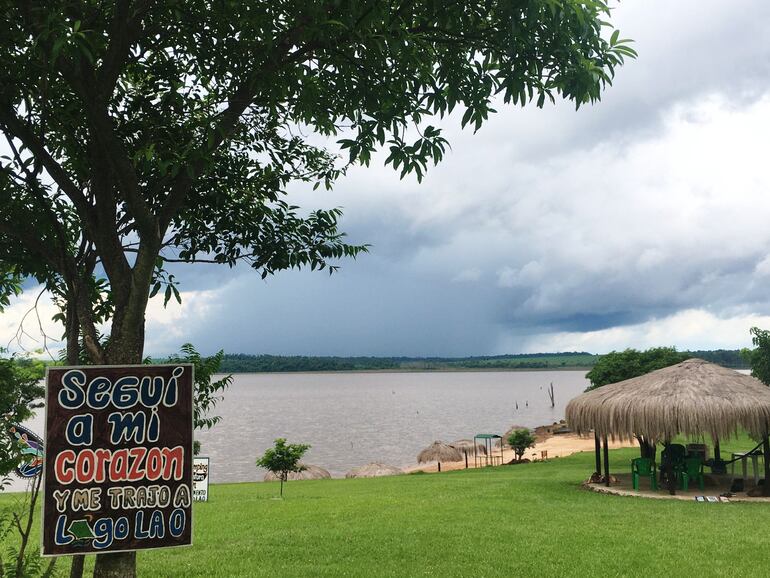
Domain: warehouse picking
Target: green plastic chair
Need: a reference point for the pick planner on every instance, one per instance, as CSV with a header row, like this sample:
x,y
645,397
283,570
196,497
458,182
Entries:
x,y
643,467
692,470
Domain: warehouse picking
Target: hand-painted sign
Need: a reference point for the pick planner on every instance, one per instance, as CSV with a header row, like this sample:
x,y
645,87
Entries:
x,y
201,480
31,449
118,458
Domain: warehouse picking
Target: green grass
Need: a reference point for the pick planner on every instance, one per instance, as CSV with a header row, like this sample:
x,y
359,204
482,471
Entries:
x,y
529,520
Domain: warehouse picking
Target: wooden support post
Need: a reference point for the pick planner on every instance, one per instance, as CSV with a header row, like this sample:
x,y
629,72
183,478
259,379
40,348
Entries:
x,y
598,448
717,455
439,466
466,458
766,451
76,570
606,462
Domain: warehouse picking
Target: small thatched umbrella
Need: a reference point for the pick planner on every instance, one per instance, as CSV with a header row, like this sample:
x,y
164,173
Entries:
x,y
374,470
469,447
309,473
694,398
439,452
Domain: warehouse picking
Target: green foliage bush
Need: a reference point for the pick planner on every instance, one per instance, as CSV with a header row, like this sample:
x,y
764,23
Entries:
x,y
208,391
520,440
759,358
19,389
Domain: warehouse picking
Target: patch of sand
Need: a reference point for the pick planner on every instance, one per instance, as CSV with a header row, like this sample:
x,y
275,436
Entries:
x,y
556,446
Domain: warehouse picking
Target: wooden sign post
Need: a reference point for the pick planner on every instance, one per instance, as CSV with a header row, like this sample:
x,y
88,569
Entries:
x,y
118,460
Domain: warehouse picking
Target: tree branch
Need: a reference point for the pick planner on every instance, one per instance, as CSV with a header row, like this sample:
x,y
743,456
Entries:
x,y
87,325
14,127
125,31
226,122
117,157
34,186
33,244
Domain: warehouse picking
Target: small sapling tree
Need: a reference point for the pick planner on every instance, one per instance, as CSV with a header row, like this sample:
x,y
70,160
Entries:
x,y
283,459
520,440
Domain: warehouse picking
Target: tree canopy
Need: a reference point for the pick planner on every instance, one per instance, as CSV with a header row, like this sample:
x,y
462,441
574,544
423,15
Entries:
x,y
621,365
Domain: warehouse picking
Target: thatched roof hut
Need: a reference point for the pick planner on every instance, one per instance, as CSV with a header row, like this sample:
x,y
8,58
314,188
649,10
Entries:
x,y
468,446
309,473
439,452
374,470
694,398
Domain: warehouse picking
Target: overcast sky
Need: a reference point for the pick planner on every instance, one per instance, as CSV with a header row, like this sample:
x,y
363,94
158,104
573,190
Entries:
x,y
641,221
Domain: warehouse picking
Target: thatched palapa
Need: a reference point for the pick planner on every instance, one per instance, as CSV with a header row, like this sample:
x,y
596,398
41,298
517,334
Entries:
x,y
374,470
439,452
468,446
309,473
694,398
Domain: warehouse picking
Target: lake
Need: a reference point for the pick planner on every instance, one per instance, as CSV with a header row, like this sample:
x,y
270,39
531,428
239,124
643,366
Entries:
x,y
351,419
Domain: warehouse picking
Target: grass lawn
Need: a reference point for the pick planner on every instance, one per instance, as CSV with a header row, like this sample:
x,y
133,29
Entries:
x,y
529,520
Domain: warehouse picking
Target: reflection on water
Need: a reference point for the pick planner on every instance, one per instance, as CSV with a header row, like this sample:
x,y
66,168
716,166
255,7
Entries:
x,y
352,419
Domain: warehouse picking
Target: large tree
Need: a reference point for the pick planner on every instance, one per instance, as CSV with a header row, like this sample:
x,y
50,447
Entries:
x,y
145,132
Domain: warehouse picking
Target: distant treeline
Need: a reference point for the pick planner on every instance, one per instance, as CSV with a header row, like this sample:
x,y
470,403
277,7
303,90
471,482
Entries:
x,y
244,363
724,357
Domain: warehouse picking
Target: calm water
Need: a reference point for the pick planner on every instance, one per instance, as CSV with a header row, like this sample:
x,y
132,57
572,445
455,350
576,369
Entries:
x,y
351,419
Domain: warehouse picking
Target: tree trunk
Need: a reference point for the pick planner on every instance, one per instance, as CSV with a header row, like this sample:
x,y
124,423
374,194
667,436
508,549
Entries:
x,y
76,570
115,565
73,358
766,453
125,348
647,448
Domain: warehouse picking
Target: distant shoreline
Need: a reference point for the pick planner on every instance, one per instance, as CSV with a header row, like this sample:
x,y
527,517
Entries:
x,y
562,361
406,370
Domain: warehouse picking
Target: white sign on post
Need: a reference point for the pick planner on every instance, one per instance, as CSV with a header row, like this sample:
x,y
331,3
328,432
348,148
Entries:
x,y
201,479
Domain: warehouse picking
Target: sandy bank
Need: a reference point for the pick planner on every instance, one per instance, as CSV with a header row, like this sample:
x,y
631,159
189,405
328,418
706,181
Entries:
x,y
556,446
